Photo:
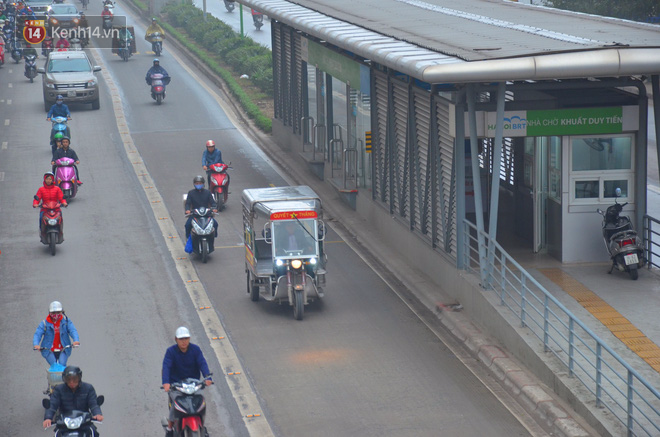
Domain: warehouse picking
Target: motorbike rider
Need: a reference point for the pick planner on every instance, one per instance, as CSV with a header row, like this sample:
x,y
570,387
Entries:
x,y
57,141
182,360
49,192
153,28
59,109
157,69
67,152
74,394
196,199
62,44
106,12
83,25
55,333
211,156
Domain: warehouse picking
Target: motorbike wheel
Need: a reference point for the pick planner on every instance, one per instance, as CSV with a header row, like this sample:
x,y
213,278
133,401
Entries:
x,y
157,50
159,99
634,274
52,243
298,305
190,433
205,251
220,200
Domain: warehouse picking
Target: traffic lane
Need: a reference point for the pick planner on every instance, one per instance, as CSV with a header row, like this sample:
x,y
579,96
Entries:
x,y
359,346
108,273
233,19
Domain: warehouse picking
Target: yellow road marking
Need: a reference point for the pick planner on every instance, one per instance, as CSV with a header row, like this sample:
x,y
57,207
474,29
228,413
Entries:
x,y
608,316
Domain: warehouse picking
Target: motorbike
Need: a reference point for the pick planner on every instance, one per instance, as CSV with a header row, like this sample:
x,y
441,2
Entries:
x,y
52,225
624,246
54,372
158,83
189,408
65,177
258,20
230,5
203,232
156,43
59,125
47,46
75,44
219,183
124,51
75,423
16,51
2,51
30,67
107,21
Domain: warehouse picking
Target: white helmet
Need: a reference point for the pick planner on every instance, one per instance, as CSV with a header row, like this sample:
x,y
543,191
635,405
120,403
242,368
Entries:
x,y
55,306
182,332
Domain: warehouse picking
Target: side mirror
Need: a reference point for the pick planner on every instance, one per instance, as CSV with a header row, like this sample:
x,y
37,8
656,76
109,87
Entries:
x,y
41,70
96,68
321,230
100,399
618,192
267,235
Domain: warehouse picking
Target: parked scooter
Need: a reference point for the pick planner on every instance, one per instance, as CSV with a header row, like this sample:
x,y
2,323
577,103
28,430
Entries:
x,y
52,225
30,67
75,423
156,43
190,408
158,83
65,177
219,183
203,232
621,240
257,19
230,5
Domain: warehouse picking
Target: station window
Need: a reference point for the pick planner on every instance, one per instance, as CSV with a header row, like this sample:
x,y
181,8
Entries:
x,y
599,165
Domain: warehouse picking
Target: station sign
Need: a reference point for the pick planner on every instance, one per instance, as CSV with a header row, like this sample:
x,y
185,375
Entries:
x,y
291,215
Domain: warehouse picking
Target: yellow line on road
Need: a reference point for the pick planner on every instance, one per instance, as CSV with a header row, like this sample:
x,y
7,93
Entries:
x,y
608,316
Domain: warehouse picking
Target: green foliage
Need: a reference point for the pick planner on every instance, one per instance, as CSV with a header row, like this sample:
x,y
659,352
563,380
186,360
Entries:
x,y
638,10
141,5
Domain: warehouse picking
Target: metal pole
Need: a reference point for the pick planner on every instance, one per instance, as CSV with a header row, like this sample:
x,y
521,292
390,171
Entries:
x,y
476,180
204,9
240,14
459,159
655,84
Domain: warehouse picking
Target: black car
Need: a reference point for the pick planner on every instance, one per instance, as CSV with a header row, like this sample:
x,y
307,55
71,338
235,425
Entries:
x,y
65,16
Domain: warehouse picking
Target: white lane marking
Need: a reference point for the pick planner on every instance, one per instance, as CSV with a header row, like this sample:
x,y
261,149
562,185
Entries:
x,y
10,71
236,377
2,176
4,145
9,102
7,121
10,85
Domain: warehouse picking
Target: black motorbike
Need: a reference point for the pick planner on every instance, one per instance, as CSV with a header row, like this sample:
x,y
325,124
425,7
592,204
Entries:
x,y
624,246
31,67
190,408
16,51
230,5
258,20
75,423
203,232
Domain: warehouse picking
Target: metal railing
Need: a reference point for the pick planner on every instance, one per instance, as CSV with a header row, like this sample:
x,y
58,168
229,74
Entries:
x,y
350,168
308,138
615,385
651,247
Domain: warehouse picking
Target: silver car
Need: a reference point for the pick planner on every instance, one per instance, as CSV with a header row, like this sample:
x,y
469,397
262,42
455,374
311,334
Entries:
x,y
71,74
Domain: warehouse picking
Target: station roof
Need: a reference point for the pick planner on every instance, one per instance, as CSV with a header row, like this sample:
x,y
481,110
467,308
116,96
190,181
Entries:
x,y
441,41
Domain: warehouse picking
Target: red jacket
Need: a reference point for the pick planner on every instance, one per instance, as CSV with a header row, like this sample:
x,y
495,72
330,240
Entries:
x,y
49,193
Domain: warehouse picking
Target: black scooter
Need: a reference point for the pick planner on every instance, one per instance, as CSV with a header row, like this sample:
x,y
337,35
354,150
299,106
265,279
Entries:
x,y
190,408
621,240
203,232
230,5
75,423
258,20
31,67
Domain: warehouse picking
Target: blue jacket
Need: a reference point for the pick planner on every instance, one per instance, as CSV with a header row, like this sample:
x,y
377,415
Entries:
x,y
59,111
211,158
45,334
156,70
178,366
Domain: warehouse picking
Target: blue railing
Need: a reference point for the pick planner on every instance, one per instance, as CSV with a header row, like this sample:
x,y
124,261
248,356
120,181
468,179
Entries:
x,y
613,383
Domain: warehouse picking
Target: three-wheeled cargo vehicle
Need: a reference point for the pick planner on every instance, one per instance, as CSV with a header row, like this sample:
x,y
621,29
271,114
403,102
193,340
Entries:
x,y
284,255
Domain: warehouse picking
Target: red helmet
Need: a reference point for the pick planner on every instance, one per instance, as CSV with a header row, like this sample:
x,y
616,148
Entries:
x,y
210,143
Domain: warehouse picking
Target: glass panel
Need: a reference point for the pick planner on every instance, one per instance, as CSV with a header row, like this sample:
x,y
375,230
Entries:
x,y
294,238
586,189
528,169
554,165
363,125
311,91
340,128
601,153
611,186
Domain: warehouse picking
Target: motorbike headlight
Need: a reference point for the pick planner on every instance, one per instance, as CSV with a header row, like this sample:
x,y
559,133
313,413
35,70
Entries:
x,y
73,422
52,222
296,264
312,260
279,262
92,82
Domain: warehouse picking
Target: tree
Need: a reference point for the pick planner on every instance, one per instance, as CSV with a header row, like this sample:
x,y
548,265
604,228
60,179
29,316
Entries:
x,y
638,10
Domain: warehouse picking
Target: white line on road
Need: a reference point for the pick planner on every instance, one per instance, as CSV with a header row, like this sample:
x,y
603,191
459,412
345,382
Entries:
x,y
4,145
9,102
7,122
236,377
2,176
10,85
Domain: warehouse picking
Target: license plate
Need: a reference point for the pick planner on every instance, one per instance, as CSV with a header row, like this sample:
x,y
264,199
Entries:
x,y
71,93
631,259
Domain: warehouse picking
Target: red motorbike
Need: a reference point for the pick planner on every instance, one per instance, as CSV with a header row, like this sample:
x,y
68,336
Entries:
x,y
47,46
2,51
52,225
219,183
190,408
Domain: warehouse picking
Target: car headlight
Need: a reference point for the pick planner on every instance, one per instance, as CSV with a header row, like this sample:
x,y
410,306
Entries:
x,y
73,422
54,20
50,85
92,82
296,263
52,222
76,21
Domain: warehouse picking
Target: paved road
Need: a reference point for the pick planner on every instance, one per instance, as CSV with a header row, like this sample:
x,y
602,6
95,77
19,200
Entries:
x,y
361,363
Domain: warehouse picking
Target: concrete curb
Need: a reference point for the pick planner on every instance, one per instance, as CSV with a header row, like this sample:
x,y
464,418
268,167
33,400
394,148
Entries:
x,y
536,398
532,395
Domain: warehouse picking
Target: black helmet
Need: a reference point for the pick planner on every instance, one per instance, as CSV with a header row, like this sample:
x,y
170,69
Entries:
x,y
156,61
64,137
198,178
71,371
